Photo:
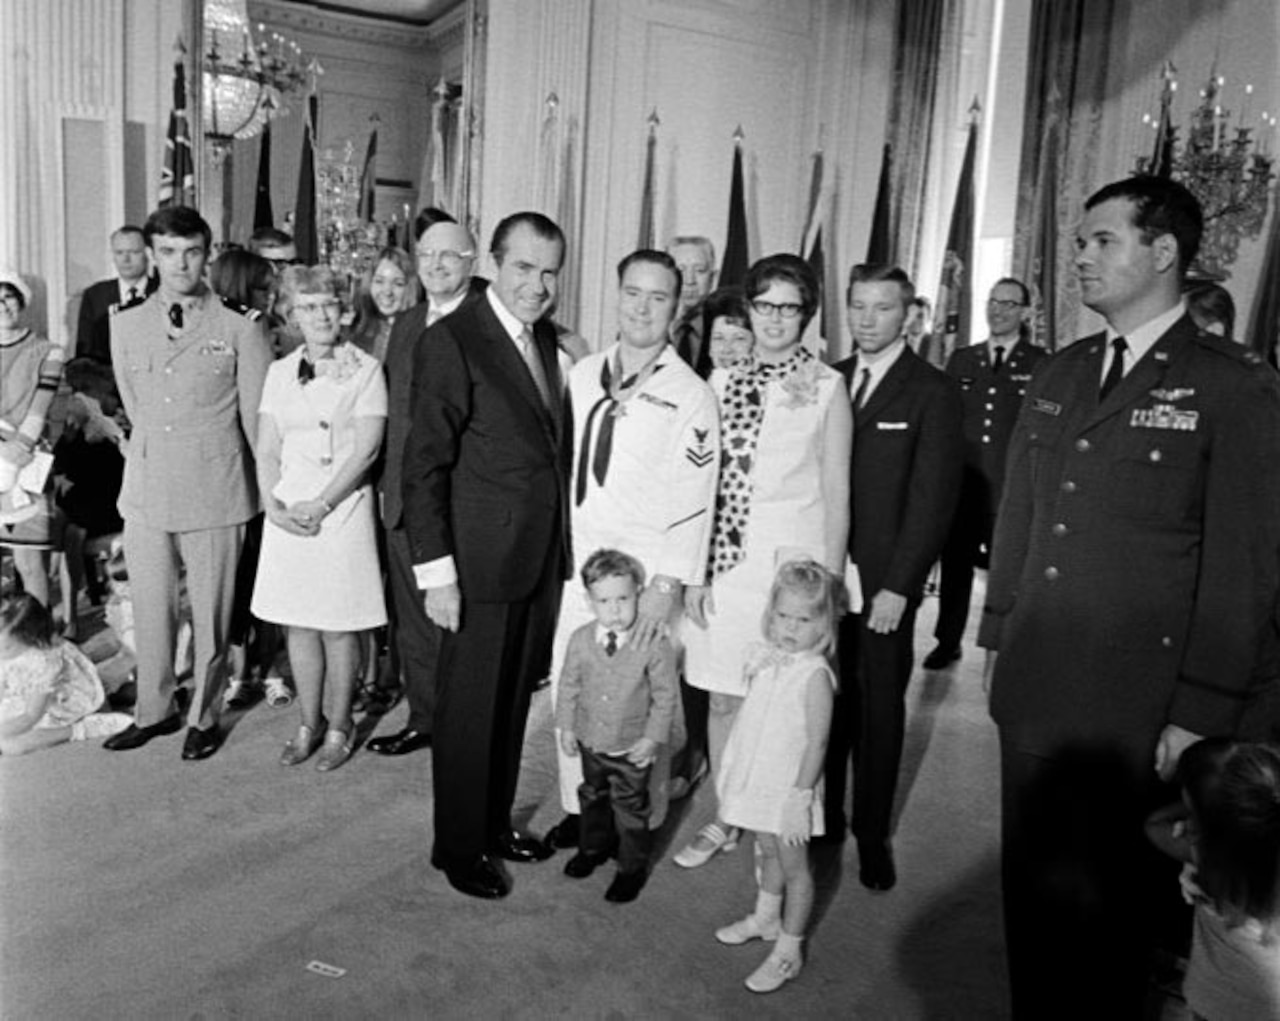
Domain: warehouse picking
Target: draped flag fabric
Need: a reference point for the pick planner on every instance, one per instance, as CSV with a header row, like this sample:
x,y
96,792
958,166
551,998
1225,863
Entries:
x,y
880,245
645,238
811,241
178,175
1264,323
262,213
304,209
733,267
1162,155
1041,270
369,179
955,290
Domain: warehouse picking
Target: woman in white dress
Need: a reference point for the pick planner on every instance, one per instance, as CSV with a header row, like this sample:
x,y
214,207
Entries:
x,y
786,436
320,425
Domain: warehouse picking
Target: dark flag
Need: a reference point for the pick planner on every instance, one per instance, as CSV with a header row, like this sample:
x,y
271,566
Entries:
x,y
880,247
1041,270
733,267
369,178
646,235
955,290
262,214
178,175
304,209
1162,156
811,241
1264,322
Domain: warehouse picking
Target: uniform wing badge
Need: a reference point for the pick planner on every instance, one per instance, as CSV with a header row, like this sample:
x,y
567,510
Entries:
x,y
1175,394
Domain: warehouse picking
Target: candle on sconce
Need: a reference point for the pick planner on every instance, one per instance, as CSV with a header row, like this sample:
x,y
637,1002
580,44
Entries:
x,y
1244,106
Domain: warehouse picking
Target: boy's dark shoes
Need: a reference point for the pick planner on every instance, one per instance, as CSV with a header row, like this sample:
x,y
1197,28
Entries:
x,y
517,847
134,736
564,834
583,864
626,887
200,744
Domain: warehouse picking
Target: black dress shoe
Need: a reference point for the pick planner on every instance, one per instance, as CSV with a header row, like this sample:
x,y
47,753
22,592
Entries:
x,y
483,878
583,864
403,743
875,865
515,846
200,744
564,834
941,657
626,886
134,736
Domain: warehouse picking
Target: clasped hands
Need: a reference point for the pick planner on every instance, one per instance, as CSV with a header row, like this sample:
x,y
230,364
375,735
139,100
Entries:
x,y
640,754
301,518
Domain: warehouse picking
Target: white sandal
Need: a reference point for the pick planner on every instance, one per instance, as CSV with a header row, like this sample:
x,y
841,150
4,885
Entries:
x,y
713,839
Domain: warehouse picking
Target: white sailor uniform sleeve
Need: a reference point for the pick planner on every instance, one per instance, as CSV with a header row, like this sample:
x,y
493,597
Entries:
x,y
690,489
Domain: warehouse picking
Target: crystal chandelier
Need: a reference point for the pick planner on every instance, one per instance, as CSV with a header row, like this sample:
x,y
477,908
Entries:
x,y
244,84
1230,170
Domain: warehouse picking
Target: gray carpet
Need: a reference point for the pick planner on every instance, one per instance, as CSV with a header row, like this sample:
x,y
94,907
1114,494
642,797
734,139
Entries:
x,y
137,885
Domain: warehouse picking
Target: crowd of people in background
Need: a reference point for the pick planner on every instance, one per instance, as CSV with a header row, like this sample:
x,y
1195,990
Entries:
x,y
710,542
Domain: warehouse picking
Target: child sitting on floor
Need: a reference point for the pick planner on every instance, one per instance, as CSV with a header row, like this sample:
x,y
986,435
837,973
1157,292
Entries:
x,y
615,706
1227,830
770,780
49,691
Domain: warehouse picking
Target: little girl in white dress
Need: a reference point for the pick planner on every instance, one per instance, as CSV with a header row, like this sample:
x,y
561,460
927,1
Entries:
x,y
770,780
49,690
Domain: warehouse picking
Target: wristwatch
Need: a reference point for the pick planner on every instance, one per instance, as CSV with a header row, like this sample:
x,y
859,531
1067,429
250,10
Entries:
x,y
665,586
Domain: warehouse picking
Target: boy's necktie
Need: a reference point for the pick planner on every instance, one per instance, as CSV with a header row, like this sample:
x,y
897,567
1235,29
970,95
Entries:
x,y
610,643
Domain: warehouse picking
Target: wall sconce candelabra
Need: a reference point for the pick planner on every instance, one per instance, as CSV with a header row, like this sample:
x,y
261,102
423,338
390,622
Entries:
x,y
1229,169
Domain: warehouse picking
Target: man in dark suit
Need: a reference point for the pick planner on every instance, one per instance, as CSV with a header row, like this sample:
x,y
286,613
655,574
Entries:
x,y
485,503
993,378
131,286
446,254
695,257
904,483
1133,578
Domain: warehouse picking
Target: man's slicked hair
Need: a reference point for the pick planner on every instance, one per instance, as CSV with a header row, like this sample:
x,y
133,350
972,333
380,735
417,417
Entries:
x,y
1160,206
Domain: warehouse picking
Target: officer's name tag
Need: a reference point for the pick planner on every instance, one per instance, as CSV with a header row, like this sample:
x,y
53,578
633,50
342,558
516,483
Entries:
x,y
891,426
1164,416
217,346
657,402
1047,407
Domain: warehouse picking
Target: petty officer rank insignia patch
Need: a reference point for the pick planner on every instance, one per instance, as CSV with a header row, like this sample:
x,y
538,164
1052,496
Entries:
x,y
699,454
1164,416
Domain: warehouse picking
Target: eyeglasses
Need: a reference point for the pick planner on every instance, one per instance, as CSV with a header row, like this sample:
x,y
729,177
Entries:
x,y
316,308
448,256
787,310
1004,306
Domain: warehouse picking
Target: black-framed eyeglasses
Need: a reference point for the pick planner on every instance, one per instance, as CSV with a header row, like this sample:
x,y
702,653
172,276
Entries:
x,y
767,309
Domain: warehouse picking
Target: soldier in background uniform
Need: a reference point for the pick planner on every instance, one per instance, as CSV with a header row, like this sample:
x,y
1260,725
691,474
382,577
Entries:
x,y
993,378
1133,582
190,372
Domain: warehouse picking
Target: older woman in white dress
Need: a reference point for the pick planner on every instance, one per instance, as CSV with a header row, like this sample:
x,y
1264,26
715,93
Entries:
x,y
323,411
786,436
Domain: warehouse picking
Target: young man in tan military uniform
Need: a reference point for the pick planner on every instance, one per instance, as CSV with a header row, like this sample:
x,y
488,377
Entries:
x,y
190,372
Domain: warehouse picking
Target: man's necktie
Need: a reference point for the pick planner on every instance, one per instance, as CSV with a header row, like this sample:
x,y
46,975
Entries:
x,y
997,361
530,352
132,297
1115,372
860,396
610,643
175,320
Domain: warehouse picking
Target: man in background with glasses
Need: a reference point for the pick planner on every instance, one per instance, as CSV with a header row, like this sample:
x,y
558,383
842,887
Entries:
x,y
993,378
446,255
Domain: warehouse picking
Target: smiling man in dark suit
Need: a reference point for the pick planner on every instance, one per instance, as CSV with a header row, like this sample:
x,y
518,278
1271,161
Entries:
x,y
907,457
485,503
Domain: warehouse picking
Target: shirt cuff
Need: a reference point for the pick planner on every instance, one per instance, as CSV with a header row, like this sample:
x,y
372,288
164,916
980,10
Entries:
x,y
436,573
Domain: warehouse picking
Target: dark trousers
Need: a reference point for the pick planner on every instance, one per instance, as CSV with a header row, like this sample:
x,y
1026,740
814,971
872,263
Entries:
x,y
1086,896
868,722
416,638
614,798
970,533
488,670
689,759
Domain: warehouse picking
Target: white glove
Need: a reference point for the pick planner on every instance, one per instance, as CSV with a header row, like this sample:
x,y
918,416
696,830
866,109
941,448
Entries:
x,y
796,822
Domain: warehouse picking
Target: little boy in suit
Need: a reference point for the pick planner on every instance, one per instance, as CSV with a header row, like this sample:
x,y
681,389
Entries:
x,y
615,705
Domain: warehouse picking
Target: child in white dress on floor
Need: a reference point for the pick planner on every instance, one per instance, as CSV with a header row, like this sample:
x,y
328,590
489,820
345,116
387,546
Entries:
x,y
771,776
1227,829
49,690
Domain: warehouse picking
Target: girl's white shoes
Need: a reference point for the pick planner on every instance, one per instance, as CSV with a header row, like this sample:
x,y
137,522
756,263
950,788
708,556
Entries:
x,y
711,839
778,969
746,929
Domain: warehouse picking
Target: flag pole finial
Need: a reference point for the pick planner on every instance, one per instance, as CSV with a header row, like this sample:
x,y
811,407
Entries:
x,y
738,135
975,109
653,120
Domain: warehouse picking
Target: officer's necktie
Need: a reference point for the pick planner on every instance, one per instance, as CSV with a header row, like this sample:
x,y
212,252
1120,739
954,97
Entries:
x,y
530,352
1115,372
175,321
860,396
132,297
997,361
610,643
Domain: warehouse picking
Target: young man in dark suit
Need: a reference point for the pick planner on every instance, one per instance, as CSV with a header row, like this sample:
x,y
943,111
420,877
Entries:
x,y
131,285
993,378
905,480
485,504
1133,582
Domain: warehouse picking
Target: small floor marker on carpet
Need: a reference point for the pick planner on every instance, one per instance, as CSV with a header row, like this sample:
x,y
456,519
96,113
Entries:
x,y
327,970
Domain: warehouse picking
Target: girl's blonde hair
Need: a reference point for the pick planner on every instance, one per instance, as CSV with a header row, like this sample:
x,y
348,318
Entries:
x,y
823,589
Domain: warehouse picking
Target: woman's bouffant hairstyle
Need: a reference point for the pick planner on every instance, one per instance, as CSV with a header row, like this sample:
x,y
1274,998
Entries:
x,y
1233,789
787,269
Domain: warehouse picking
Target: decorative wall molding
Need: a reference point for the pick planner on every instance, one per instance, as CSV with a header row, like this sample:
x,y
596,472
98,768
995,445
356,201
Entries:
x,y
289,17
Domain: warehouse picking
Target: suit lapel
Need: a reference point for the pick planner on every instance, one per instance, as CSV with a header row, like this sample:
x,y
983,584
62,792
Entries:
x,y
511,367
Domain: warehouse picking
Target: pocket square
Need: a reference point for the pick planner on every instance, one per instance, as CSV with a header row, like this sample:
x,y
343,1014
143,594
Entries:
x,y
891,425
